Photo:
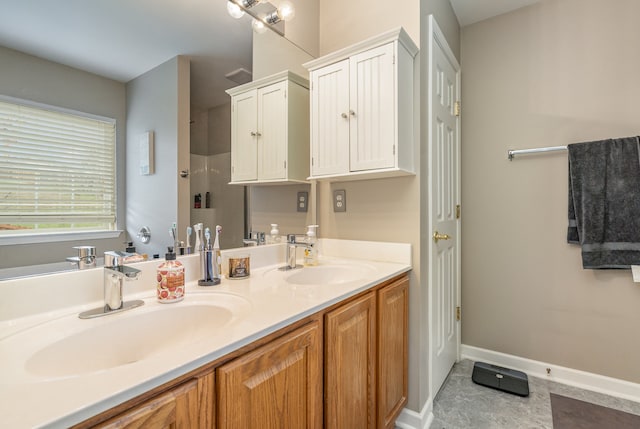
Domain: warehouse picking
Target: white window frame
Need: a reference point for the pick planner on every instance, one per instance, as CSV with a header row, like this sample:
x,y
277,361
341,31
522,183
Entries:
x,y
57,236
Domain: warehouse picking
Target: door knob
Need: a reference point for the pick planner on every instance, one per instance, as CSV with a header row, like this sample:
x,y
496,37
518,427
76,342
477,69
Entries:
x,y
437,236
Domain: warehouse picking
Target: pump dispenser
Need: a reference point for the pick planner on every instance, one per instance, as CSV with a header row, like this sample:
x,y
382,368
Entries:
x,y
274,234
311,252
170,279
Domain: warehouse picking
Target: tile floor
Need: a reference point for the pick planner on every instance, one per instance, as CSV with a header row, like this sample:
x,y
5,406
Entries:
x,y
462,404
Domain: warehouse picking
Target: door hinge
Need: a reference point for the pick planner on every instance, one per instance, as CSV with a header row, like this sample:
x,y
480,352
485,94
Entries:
x,y
458,313
394,150
285,165
458,211
456,108
394,58
312,161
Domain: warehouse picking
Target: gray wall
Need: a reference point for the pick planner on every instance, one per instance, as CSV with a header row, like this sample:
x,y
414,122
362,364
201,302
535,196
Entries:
x,y
554,73
31,78
153,104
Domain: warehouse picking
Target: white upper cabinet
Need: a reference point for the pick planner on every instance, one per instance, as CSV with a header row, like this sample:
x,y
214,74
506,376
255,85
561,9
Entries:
x,y
362,116
270,130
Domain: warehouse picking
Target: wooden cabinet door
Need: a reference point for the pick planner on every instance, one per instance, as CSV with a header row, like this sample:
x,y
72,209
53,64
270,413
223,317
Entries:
x,y
244,136
393,312
330,119
373,110
350,362
278,385
272,131
175,409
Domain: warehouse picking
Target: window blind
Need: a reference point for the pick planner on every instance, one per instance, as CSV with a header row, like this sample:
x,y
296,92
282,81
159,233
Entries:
x,y
57,171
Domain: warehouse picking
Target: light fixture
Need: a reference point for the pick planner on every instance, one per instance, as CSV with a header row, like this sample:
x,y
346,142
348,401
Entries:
x,y
286,11
265,14
258,26
234,10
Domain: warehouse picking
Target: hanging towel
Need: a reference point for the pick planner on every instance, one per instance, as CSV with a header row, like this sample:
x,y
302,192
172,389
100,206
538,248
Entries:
x,y
604,202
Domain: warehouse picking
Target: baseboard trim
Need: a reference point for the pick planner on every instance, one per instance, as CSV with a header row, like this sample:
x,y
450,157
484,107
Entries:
x,y
409,419
572,377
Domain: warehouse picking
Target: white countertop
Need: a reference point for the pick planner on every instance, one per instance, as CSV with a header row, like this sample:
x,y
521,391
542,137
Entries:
x,y
267,303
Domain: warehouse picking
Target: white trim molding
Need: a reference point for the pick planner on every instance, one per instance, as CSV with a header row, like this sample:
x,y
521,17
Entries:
x,y
560,374
409,419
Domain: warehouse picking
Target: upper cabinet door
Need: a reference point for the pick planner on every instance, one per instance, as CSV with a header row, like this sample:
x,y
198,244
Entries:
x,y
330,120
373,107
362,110
244,134
272,132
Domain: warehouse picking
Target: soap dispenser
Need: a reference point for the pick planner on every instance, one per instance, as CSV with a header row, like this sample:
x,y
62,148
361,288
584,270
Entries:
x,y
170,279
274,234
311,252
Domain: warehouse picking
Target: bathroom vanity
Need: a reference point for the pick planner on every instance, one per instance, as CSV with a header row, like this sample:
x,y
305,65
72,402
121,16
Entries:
x,y
312,347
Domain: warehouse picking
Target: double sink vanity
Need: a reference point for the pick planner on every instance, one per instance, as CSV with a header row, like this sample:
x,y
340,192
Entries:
x,y
312,347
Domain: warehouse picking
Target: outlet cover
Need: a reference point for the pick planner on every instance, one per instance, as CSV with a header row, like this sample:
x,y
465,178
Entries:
x,y
303,201
339,200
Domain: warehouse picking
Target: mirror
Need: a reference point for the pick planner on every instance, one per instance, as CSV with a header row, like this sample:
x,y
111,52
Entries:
x,y
99,37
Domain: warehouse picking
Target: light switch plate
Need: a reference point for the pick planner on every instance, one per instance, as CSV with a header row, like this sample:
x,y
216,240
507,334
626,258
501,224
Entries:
x,y
303,201
339,200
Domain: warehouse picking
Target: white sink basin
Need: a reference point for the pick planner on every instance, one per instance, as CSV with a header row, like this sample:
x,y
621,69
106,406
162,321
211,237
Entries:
x,y
326,275
76,347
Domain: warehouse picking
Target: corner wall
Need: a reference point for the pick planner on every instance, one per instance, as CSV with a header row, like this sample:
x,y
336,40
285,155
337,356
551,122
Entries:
x,y
157,101
382,209
550,74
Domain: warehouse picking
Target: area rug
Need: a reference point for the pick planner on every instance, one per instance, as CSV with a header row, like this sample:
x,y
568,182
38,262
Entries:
x,y
571,413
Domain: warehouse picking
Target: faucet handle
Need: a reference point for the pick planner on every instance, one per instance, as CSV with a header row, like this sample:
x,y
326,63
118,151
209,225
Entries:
x,y
115,258
291,238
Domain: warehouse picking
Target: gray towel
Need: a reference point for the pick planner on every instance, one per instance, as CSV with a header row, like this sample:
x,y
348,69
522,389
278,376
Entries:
x,y
604,202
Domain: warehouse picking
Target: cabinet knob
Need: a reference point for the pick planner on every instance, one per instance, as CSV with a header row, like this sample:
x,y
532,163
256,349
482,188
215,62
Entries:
x,y
344,115
352,113
253,134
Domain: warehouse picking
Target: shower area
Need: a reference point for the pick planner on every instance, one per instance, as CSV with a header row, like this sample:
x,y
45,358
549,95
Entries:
x,y
213,201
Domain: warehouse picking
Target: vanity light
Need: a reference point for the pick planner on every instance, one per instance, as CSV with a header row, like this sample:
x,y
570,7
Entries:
x,y
285,12
265,16
258,26
234,10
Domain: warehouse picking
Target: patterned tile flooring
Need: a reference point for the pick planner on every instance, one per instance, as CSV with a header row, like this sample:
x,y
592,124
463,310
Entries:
x,y
462,404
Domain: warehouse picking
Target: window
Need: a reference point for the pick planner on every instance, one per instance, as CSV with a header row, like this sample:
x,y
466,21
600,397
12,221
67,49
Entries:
x,y
57,171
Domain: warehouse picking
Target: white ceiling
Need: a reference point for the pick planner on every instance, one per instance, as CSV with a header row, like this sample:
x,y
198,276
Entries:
x,y
472,11
122,39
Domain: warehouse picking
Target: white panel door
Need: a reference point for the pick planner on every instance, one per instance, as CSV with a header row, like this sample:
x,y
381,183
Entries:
x,y
272,132
330,119
244,153
444,191
373,107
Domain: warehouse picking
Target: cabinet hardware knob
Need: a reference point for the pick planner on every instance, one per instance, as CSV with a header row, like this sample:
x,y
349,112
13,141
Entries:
x,y
344,115
253,133
352,113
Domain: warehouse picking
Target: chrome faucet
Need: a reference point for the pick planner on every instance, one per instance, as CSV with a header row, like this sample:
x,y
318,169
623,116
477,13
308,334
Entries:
x,y
290,254
255,239
115,272
86,257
